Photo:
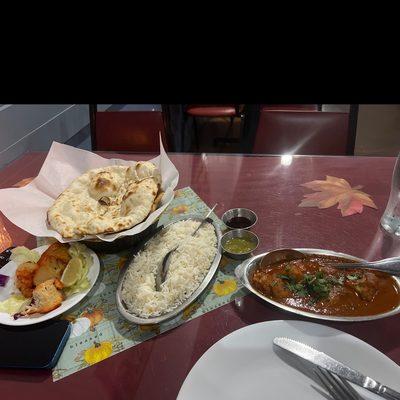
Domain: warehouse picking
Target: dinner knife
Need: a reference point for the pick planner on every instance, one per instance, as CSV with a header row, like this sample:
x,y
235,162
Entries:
x,y
323,360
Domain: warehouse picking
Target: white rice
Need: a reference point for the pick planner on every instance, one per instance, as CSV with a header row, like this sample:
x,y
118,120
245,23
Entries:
x,y
188,267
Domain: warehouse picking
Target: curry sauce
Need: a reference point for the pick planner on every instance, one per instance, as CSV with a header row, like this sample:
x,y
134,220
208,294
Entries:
x,y
311,285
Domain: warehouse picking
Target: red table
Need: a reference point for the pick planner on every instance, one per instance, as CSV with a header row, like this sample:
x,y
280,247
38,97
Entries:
x,y
157,368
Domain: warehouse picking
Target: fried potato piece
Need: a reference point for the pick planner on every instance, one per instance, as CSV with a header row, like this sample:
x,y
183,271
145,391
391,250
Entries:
x,y
24,278
57,250
47,296
52,263
50,268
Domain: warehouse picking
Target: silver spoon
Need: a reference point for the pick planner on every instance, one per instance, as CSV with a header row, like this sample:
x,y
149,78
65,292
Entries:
x,y
281,255
162,272
389,265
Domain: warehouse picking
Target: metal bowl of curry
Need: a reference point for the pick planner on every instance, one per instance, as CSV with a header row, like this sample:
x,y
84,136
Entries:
x,y
311,288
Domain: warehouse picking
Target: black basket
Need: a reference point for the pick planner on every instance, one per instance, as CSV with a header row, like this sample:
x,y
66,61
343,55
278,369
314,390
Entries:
x,y
123,243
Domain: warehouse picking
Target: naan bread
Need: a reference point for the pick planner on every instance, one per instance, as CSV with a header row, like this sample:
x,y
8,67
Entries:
x,y
106,200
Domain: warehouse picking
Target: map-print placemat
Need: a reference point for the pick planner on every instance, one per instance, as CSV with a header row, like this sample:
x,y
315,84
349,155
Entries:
x,y
98,331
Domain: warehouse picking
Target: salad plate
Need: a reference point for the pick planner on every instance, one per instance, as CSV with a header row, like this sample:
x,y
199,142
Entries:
x,y
9,290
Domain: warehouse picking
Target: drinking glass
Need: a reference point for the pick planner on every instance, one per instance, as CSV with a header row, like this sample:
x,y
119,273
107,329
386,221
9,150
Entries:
x,y
390,220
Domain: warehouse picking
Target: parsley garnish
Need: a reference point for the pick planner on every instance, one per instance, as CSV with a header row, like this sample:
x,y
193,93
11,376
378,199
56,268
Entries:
x,y
289,279
298,289
314,285
353,277
312,301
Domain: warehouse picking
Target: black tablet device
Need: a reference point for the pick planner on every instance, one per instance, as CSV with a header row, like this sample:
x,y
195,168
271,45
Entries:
x,y
33,346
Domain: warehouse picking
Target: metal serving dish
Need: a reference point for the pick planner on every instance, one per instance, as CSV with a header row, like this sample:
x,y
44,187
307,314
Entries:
x,y
240,233
240,212
156,320
244,270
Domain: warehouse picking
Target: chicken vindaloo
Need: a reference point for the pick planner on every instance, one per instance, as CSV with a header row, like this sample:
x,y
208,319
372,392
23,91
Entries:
x,y
309,284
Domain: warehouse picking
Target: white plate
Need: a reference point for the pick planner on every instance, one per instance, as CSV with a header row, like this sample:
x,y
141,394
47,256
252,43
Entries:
x,y
5,292
246,364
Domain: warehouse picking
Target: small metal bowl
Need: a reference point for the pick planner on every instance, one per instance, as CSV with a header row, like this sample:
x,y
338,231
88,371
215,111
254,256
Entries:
x,y
240,233
239,212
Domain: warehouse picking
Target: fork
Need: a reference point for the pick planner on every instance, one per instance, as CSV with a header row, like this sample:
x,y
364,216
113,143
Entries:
x,y
337,387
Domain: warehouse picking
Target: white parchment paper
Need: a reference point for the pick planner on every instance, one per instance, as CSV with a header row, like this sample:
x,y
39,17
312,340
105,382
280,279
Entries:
x,y
27,207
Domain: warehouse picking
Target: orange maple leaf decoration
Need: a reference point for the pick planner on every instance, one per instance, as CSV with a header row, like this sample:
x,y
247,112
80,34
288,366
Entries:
x,y
24,182
337,190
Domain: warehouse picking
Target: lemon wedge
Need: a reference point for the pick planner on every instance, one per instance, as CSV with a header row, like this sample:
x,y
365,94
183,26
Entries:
x,y
72,272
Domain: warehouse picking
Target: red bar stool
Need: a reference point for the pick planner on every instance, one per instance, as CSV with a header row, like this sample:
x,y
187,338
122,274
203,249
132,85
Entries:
x,y
209,111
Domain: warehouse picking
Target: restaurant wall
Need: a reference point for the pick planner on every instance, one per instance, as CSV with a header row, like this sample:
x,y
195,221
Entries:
x,y
378,130
26,127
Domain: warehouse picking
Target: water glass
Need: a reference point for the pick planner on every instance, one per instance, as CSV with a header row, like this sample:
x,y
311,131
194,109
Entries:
x,y
390,220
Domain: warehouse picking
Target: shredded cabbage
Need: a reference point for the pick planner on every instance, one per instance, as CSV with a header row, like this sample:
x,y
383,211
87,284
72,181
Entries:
x,y
80,250
21,254
14,304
